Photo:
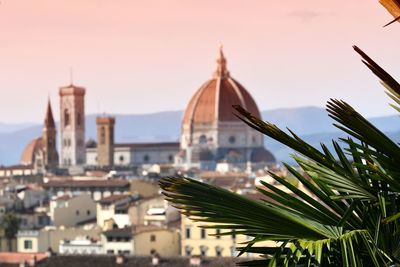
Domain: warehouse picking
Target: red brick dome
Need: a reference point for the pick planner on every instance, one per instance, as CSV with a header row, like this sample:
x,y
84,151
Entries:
x,y
28,155
213,101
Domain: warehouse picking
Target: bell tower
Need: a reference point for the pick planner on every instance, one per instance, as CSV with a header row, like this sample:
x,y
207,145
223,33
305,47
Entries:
x,y
105,141
72,125
50,155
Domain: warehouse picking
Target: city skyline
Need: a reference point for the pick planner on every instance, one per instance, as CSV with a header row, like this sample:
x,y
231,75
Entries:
x,y
117,48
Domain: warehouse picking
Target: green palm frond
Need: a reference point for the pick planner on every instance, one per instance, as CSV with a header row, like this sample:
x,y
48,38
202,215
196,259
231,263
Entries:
x,y
349,214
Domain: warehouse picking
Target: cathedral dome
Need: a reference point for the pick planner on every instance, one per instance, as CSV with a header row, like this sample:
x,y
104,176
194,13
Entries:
x,y
213,101
28,155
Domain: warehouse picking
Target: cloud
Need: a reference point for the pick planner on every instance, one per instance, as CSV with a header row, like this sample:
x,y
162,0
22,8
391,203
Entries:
x,y
305,15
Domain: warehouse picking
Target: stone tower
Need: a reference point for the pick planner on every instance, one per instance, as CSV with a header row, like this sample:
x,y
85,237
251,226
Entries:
x,y
105,141
72,125
50,155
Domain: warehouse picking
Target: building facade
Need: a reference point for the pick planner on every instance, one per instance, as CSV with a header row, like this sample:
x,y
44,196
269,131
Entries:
x,y
136,154
69,211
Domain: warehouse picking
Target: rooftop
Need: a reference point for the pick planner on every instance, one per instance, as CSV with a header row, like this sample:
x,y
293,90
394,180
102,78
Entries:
x,y
17,257
149,145
110,261
112,199
87,183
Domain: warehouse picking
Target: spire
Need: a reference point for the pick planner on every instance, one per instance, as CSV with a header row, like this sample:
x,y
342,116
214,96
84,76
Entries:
x,y
49,119
221,71
71,76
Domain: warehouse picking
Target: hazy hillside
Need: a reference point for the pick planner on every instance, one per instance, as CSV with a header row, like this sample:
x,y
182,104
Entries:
x,y
312,123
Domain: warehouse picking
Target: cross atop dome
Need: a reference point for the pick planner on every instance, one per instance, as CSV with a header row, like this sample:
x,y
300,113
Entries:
x,y
221,71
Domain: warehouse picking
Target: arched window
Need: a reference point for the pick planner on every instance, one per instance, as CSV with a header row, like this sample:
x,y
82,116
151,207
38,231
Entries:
x,y
66,118
102,135
78,119
152,238
203,139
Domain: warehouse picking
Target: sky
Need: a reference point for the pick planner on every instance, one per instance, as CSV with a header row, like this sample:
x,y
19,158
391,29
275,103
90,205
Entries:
x,y
148,56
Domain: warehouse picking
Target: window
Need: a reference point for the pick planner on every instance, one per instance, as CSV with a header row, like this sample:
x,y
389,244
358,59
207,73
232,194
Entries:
x,y
232,139
146,158
170,158
66,118
187,232
111,133
234,235
203,233
28,244
218,251
217,232
152,238
88,212
110,252
102,135
78,119
77,212
202,139
233,251
188,251
121,159
203,250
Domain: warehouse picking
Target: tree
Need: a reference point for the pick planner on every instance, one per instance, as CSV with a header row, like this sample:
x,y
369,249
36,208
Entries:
x,y
10,225
353,217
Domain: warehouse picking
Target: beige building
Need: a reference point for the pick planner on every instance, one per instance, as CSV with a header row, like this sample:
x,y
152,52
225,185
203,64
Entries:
x,y
198,241
29,241
152,210
97,188
153,239
69,211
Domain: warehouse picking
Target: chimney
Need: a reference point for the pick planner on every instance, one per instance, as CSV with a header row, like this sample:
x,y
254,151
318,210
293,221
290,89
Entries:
x,y
33,261
120,259
155,259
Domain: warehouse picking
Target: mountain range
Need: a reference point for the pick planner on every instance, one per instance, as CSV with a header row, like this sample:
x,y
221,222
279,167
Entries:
x,y
311,123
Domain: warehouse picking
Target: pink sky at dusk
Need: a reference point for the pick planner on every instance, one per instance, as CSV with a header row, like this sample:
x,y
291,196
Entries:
x,y
149,56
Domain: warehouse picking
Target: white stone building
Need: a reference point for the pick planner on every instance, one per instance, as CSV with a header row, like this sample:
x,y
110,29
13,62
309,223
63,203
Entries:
x,y
137,154
113,211
118,241
81,245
